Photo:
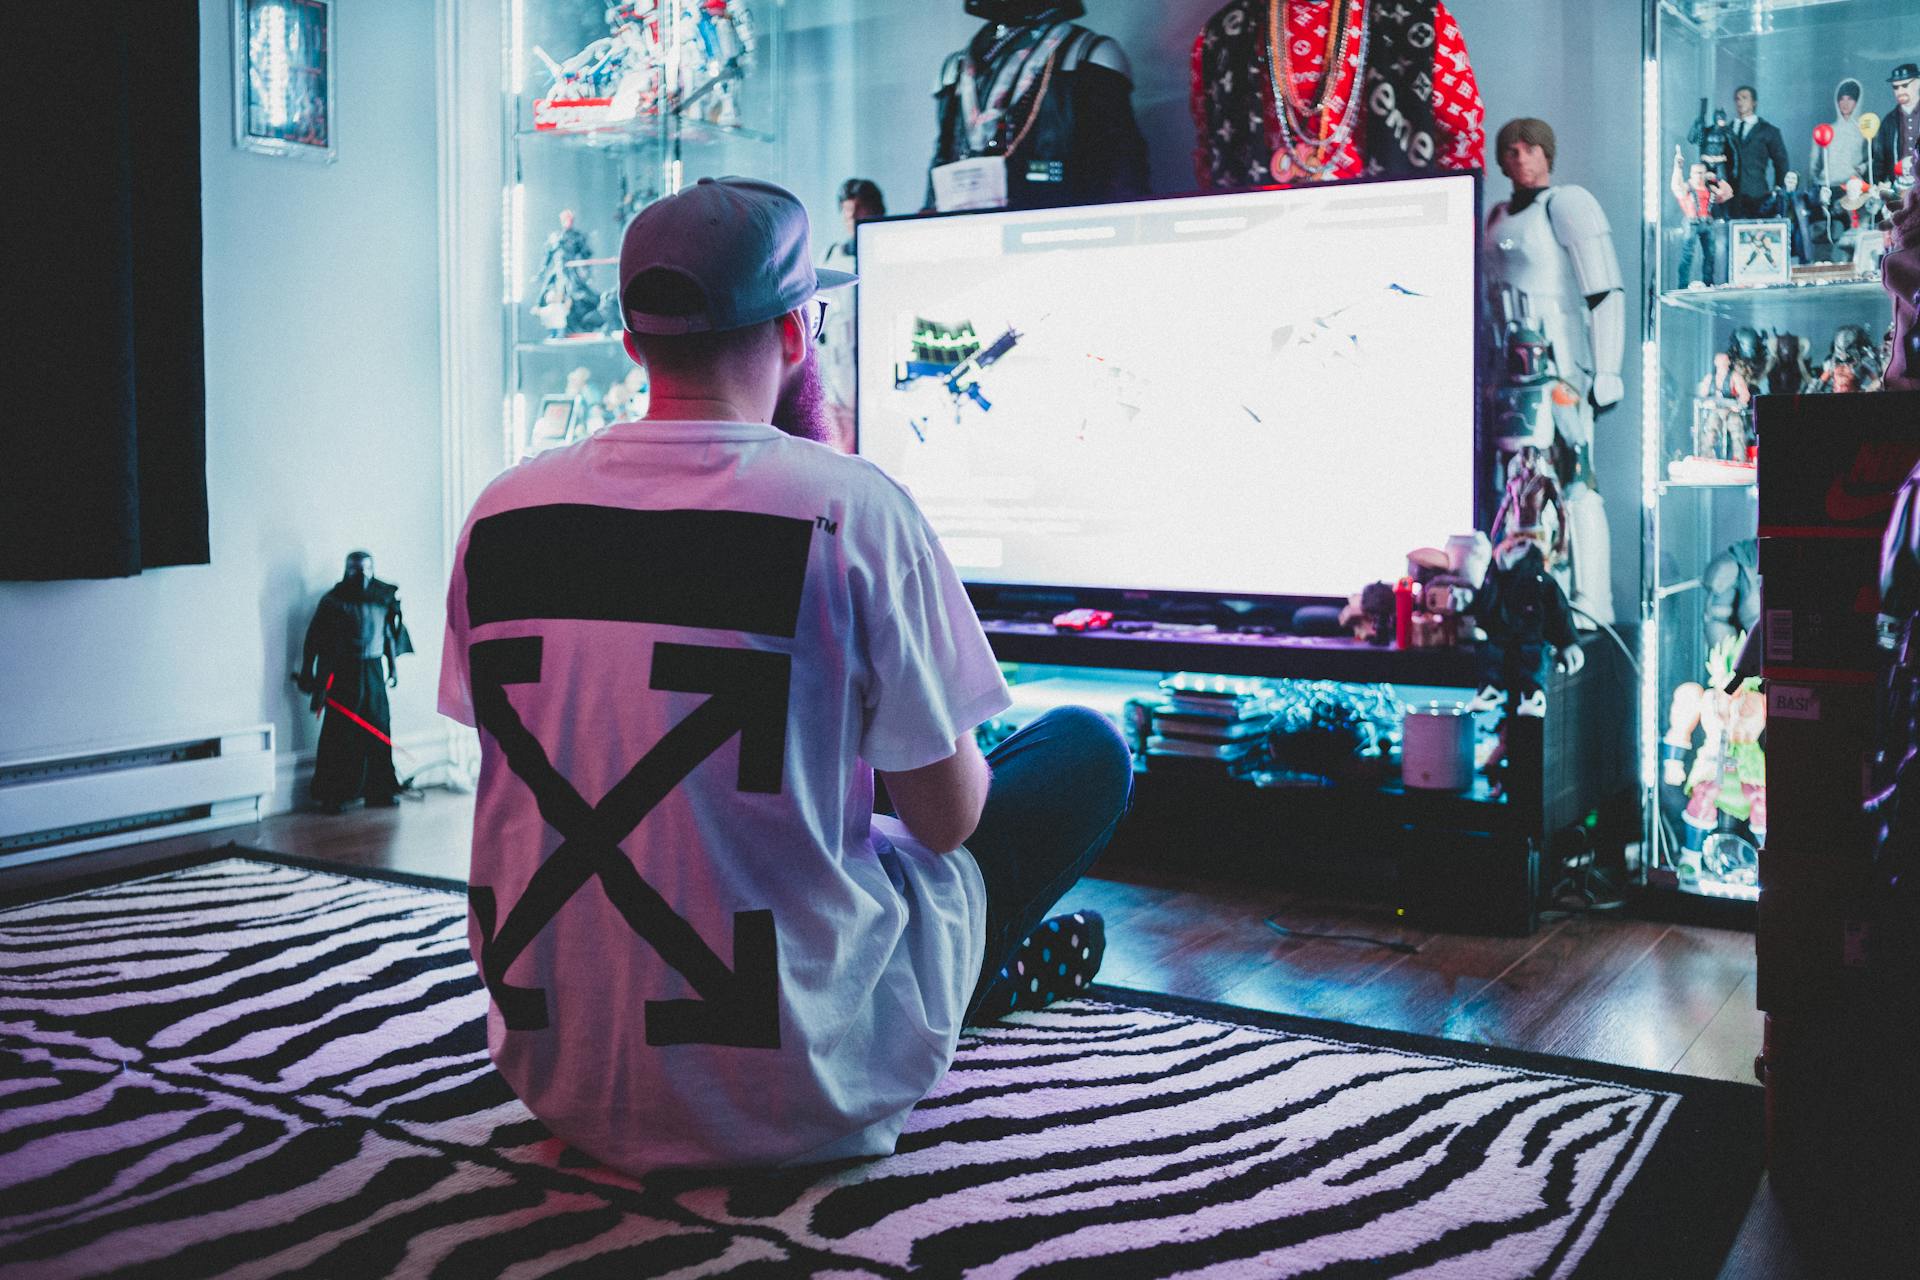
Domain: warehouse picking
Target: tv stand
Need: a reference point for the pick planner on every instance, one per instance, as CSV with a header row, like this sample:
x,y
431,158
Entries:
x,y
1469,860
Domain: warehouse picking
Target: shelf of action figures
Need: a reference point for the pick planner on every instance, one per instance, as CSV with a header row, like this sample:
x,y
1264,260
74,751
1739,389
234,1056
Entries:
x,y
1728,302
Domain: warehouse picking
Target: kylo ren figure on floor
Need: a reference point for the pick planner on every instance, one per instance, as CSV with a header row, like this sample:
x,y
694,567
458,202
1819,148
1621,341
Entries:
x,y
347,666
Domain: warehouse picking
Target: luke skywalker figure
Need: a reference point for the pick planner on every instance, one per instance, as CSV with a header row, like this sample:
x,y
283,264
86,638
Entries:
x,y
1549,259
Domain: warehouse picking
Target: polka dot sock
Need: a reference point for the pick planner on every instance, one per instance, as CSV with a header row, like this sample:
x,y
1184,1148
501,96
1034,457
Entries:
x,y
1057,961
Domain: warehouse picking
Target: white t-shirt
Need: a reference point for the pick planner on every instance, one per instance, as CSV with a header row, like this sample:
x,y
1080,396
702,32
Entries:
x,y
732,961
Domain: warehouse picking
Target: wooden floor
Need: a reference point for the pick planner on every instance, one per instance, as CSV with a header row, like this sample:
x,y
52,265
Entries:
x,y
1607,988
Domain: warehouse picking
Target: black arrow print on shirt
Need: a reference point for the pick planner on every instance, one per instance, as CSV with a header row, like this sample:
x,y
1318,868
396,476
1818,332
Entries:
x,y
738,1006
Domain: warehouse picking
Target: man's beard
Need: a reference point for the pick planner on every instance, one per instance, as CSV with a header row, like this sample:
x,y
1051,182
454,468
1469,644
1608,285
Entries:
x,y
802,409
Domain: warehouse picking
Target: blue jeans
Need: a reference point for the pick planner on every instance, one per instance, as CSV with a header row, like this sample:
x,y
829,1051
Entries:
x,y
1060,787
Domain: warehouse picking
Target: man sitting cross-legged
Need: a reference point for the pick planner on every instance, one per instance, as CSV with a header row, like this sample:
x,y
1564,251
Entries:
x,y
688,642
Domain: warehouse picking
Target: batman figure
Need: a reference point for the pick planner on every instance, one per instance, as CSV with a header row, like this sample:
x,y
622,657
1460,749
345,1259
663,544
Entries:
x,y
348,666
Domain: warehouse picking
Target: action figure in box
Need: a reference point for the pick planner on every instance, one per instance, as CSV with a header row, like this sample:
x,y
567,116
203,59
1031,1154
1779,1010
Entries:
x,y
347,666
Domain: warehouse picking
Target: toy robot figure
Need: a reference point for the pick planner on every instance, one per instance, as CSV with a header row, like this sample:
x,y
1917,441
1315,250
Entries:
x,y
726,39
564,297
1528,621
347,665
1549,259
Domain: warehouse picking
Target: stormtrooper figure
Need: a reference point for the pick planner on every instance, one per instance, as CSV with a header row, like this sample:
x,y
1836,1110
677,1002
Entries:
x,y
1551,267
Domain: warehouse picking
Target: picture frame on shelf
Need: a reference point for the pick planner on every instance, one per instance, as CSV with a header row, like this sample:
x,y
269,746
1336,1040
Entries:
x,y
283,54
553,425
1758,252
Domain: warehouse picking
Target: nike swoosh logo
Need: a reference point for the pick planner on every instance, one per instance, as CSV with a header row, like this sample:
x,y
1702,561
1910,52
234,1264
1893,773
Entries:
x,y
1849,507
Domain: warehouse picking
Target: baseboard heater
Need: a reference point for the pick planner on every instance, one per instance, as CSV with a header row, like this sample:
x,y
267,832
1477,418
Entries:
x,y
55,805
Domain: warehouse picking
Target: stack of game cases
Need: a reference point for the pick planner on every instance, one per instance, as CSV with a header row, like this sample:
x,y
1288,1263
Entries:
x,y
1209,724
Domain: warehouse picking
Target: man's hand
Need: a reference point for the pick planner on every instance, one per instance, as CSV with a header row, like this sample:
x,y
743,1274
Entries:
x,y
941,803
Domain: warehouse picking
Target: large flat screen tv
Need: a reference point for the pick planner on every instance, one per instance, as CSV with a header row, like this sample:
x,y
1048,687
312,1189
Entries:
x,y
1261,394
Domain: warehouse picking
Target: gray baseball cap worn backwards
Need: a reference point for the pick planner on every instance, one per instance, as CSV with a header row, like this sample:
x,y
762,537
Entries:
x,y
723,254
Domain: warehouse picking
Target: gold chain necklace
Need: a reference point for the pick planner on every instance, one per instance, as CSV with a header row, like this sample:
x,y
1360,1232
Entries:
x,y
1280,62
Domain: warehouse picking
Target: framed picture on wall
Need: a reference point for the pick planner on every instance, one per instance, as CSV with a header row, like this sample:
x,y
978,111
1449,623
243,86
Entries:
x,y
1758,252
283,77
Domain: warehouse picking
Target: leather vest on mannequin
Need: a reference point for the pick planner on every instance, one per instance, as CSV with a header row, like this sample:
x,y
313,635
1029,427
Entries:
x,y
1548,257
1051,97
1401,99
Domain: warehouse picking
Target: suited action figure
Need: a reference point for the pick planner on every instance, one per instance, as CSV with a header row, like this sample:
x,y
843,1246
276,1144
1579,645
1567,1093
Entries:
x,y
347,666
1760,156
1898,138
1035,112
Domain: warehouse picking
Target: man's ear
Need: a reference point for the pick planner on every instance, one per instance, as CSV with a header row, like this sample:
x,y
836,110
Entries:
x,y
793,338
626,340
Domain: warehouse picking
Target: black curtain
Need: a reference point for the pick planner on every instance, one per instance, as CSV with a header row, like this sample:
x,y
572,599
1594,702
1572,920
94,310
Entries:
x,y
104,469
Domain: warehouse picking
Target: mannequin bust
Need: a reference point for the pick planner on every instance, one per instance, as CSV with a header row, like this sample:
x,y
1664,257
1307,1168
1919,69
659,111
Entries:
x,y
1036,111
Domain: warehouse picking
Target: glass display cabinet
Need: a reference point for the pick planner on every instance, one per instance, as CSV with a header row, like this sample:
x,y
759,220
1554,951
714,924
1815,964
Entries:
x,y
1762,283
608,107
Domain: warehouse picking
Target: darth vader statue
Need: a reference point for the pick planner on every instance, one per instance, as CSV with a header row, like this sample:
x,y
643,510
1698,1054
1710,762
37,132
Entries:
x,y
347,666
1035,112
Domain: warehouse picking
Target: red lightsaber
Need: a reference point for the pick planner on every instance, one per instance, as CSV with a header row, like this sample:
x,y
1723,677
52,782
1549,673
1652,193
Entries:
x,y
362,723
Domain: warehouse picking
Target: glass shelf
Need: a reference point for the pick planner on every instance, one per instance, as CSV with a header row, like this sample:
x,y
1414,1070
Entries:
x,y
1727,302
1666,487
1725,19
573,343
639,133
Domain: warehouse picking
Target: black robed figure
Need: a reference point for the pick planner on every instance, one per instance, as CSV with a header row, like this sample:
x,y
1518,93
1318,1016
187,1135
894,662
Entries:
x,y
347,666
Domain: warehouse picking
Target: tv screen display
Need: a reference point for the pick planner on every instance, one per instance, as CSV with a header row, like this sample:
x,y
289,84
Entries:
x,y
1258,394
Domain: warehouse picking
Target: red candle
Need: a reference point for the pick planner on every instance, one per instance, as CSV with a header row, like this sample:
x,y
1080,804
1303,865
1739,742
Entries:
x,y
1403,613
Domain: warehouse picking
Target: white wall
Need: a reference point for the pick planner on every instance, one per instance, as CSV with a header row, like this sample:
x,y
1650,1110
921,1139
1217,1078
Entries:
x,y
323,426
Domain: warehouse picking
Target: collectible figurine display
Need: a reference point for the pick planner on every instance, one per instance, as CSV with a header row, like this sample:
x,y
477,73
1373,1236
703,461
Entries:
x,y
1550,265
1852,364
1731,583
1529,625
1702,196
347,665
1724,815
1759,155
1279,86
563,295
1839,148
1895,144
1036,111
676,55
1715,142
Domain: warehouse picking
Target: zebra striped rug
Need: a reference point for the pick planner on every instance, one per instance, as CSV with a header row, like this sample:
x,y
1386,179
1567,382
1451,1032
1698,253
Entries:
x,y
254,1068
